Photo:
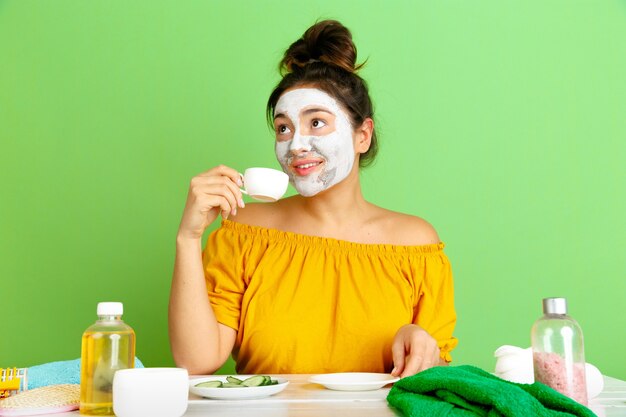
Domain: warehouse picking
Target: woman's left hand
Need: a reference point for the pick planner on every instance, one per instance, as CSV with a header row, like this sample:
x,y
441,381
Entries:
x,y
413,350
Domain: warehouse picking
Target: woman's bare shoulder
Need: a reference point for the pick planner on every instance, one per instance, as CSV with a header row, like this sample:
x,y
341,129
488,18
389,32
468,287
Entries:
x,y
405,229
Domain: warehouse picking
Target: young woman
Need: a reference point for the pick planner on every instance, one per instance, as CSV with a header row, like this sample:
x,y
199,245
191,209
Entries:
x,y
323,281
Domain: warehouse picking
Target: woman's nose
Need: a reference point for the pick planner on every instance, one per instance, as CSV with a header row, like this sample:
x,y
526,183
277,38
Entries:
x,y
300,144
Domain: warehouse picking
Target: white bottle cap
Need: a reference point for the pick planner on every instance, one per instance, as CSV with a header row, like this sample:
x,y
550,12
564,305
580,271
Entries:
x,y
110,309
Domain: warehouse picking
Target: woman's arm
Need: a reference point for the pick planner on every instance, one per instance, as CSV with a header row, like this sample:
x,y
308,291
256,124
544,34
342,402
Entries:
x,y
199,343
427,341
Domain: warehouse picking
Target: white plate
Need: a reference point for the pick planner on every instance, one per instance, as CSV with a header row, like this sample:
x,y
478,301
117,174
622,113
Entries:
x,y
353,381
243,393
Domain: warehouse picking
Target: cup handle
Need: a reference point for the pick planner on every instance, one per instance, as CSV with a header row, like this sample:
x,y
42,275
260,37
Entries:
x,y
242,189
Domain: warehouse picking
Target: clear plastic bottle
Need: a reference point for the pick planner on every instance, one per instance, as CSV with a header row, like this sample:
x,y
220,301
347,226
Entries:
x,y
558,351
107,346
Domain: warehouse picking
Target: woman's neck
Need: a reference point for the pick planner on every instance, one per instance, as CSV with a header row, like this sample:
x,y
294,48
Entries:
x,y
341,204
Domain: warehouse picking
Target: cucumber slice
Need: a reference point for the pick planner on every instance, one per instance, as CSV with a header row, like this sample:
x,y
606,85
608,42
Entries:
x,y
234,380
232,385
254,381
269,380
210,384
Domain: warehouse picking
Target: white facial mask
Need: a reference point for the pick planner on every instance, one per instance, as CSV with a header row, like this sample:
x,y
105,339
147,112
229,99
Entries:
x,y
336,148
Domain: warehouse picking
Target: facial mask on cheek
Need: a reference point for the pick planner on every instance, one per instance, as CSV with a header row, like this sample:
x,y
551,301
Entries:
x,y
336,148
282,154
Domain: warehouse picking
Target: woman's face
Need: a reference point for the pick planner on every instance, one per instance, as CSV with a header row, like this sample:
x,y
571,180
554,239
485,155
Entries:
x,y
314,140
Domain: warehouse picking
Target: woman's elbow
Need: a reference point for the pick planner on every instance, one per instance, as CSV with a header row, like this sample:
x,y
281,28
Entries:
x,y
197,368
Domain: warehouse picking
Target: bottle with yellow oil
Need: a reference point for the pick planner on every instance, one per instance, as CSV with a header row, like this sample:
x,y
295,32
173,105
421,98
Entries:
x,y
108,345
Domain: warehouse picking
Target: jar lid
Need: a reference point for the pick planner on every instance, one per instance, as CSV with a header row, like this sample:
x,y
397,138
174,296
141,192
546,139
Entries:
x,y
554,305
110,309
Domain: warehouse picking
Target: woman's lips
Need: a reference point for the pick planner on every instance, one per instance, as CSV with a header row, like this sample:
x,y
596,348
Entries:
x,y
305,167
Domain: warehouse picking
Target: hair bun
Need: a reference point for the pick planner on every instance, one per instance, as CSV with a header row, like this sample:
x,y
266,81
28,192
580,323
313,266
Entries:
x,y
327,41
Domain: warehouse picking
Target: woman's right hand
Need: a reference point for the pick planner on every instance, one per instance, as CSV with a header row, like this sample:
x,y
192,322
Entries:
x,y
210,193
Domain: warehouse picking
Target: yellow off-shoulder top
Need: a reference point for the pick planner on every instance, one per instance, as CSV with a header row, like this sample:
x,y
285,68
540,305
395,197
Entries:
x,y
307,304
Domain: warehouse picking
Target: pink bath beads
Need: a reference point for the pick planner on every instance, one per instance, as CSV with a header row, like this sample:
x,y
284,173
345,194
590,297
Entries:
x,y
567,378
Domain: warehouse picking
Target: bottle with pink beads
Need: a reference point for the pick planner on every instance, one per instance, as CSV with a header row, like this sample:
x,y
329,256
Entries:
x,y
558,351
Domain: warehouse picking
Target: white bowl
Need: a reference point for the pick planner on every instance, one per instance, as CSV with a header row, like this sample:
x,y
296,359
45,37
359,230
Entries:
x,y
155,392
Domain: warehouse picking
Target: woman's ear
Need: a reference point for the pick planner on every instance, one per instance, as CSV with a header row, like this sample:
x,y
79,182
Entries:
x,y
363,136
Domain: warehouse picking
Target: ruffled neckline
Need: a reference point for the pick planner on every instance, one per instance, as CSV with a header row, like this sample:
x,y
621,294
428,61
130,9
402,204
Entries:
x,y
327,242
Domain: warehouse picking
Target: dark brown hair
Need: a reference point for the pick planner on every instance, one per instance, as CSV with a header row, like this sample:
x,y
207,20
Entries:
x,y
325,57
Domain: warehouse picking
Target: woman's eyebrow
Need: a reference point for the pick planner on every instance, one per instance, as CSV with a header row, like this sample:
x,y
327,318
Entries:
x,y
305,112
315,110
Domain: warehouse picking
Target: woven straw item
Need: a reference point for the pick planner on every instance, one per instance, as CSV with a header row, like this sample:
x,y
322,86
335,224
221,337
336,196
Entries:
x,y
44,400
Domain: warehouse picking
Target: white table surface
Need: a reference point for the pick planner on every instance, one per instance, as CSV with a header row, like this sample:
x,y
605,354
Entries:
x,y
304,399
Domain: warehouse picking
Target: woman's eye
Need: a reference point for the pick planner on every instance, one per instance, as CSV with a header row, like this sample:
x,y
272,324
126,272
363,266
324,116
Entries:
x,y
282,129
317,123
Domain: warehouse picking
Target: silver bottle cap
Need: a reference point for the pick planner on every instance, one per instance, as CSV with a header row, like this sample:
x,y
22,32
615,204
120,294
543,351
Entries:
x,y
554,306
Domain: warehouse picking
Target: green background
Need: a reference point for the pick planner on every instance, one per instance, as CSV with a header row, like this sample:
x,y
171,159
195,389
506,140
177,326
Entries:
x,y
503,123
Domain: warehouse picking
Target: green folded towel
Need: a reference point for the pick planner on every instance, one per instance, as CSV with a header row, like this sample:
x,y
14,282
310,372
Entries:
x,y
466,391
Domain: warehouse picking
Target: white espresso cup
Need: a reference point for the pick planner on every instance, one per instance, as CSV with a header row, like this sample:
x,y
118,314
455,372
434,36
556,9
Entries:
x,y
264,184
154,392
